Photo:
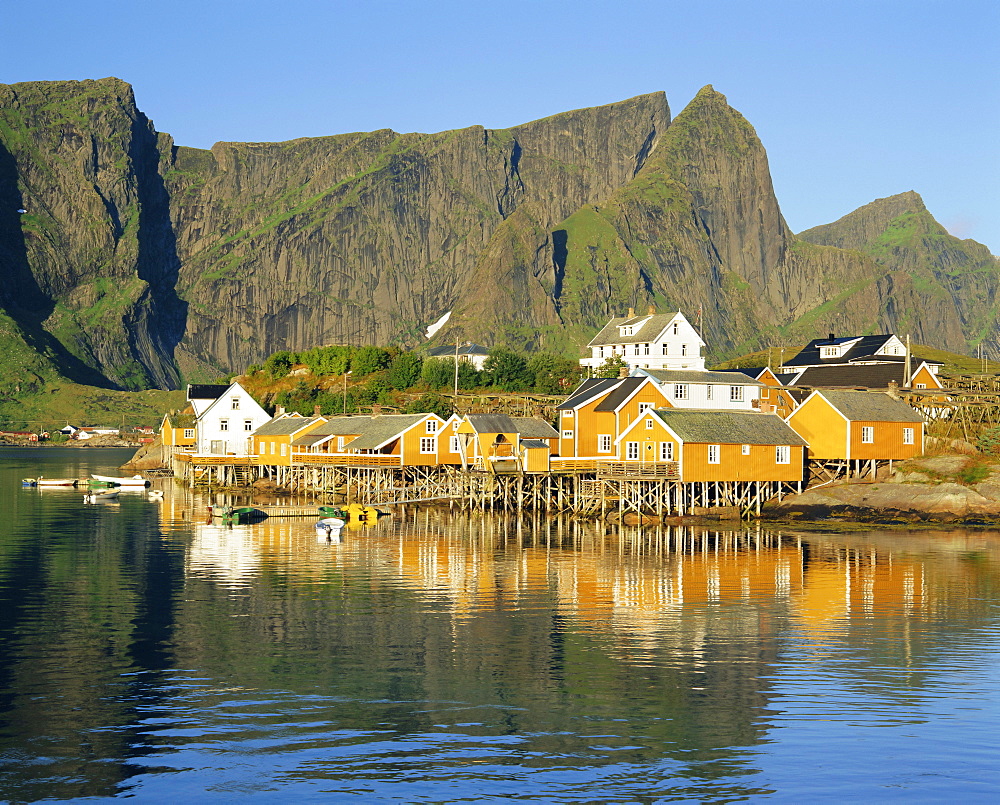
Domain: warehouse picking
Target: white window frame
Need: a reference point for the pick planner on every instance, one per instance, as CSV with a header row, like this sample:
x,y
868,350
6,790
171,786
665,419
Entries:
x,y
714,453
746,450
236,403
681,391
248,425
867,434
645,349
604,443
666,451
428,445
649,424
708,391
920,386
567,413
431,426
782,454
631,451
684,350
666,349
645,406
455,445
736,394
567,434
907,435
284,449
188,433
224,425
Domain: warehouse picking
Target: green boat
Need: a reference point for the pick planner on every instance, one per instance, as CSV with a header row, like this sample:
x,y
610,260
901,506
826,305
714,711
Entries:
x,y
240,514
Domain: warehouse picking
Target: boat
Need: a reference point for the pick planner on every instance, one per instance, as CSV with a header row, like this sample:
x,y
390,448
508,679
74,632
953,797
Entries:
x,y
29,482
353,513
329,528
237,514
99,497
55,481
135,480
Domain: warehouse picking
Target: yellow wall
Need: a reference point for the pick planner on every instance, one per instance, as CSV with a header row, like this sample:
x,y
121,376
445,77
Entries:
x,y
888,441
759,465
822,427
924,376
588,424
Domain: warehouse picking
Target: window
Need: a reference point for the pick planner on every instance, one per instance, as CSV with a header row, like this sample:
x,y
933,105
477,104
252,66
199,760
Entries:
x,y
907,435
675,328
867,434
188,433
782,454
604,443
645,349
649,424
645,406
454,425
600,352
274,449
247,425
666,451
829,352
431,426
636,349
262,448
680,391
666,349
284,449
455,445
713,454
567,434
223,424
921,385
427,444
340,444
708,392
236,403
684,349
567,413
746,450
631,450
736,394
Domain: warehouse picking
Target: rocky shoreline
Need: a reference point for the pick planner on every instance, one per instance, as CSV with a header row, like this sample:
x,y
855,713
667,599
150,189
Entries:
x,y
933,489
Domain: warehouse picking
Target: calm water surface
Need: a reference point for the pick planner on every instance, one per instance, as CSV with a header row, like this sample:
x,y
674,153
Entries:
x,y
147,653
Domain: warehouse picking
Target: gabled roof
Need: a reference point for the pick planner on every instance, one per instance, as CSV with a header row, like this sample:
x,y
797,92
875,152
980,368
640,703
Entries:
x,y
534,444
663,376
626,388
491,423
870,406
529,427
382,429
869,376
202,391
285,425
449,352
589,389
865,346
728,427
341,426
650,326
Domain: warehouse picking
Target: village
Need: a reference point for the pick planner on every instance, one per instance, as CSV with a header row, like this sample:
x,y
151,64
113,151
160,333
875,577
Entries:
x,y
665,437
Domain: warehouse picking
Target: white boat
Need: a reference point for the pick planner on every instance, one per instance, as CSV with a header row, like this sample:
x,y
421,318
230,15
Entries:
x,y
329,528
135,480
55,481
98,497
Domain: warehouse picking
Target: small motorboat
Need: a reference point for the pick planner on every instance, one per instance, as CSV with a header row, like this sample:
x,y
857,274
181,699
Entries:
x,y
135,480
55,481
100,497
29,482
237,514
329,528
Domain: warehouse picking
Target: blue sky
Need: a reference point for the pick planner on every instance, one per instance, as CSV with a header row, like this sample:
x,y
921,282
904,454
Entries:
x,y
853,100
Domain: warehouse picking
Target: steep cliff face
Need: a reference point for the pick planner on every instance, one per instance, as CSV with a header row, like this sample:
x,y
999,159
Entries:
x,y
90,262
941,289
368,238
137,261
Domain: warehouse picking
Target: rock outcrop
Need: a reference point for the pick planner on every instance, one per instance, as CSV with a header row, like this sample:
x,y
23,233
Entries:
x,y
137,262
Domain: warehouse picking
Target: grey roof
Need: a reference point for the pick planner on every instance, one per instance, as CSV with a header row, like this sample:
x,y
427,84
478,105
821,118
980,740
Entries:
x,y
204,391
381,429
728,427
491,423
309,439
656,324
341,426
870,406
533,443
698,376
530,427
626,388
284,426
588,389
449,352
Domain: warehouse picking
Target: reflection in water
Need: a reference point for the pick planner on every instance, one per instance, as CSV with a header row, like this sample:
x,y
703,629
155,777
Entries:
x,y
439,657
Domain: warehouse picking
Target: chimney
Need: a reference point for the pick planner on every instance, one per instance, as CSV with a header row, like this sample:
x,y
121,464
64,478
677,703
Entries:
x,y
376,410
622,372
279,411
631,312
316,410
651,310
832,338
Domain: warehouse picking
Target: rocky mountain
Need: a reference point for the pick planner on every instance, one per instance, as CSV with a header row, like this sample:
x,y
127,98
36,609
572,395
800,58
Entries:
x,y
131,261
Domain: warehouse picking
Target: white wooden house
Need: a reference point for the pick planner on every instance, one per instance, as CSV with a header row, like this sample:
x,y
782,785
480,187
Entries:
x,y
225,424
704,389
653,341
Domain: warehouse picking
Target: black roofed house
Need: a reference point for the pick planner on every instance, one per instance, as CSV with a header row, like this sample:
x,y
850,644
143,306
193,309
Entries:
x,y
225,420
593,415
650,341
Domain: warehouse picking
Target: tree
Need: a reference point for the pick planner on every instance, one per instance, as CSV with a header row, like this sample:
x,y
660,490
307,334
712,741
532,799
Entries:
x,y
438,373
367,360
611,367
333,360
430,403
507,370
279,364
554,374
404,371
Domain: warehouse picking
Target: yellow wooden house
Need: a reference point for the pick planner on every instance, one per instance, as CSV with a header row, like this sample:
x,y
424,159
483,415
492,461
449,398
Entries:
x,y
411,440
715,445
178,430
593,416
272,442
858,426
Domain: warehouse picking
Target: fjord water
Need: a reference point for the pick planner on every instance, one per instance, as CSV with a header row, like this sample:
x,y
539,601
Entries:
x,y
434,657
